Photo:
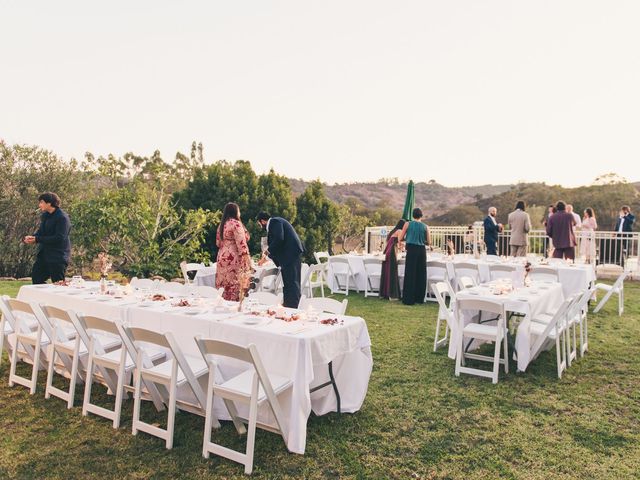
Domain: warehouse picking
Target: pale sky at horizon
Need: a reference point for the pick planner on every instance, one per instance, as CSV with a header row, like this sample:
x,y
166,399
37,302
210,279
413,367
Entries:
x,y
464,92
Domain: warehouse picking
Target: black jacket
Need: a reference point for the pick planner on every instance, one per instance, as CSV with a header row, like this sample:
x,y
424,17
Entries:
x,y
285,246
627,225
52,237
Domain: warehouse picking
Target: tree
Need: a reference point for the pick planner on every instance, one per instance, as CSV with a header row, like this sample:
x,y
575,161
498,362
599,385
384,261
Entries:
x,y
213,186
139,226
317,220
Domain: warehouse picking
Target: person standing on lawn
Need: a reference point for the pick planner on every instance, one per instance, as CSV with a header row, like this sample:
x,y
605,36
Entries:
x,y
52,241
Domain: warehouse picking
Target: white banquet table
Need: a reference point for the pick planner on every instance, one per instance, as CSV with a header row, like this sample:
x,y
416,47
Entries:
x,y
540,297
298,351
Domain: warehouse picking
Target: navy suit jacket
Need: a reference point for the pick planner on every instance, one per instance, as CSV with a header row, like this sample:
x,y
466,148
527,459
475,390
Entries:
x,y
490,230
628,220
284,244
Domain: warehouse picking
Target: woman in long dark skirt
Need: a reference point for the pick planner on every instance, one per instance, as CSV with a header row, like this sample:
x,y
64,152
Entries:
x,y
389,282
416,236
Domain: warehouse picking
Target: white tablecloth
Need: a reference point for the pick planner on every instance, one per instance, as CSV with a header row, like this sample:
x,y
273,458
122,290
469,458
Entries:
x,y
575,278
539,298
302,357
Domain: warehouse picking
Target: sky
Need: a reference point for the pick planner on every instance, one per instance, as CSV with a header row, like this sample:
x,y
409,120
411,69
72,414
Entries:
x,y
465,92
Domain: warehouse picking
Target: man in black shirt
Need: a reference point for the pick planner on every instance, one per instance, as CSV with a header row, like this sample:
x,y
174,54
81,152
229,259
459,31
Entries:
x,y
52,240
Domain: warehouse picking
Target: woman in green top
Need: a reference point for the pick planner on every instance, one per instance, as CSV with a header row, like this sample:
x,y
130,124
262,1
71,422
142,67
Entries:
x,y
416,236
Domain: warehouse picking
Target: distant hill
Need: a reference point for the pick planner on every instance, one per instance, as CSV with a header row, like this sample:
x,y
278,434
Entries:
x,y
606,200
433,198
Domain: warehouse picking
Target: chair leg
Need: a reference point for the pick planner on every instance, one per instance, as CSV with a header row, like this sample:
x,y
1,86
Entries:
x,y
505,343
36,364
73,380
14,361
88,383
251,435
52,358
496,360
171,418
119,391
435,339
558,361
208,415
136,399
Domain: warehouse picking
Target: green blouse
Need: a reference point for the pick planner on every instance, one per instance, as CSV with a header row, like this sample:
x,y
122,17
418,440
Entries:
x,y
416,233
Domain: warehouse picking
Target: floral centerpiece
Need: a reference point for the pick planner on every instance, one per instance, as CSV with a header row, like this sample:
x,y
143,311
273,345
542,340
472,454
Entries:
x,y
104,264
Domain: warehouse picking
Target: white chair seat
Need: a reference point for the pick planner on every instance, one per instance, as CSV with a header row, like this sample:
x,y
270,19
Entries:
x,y
607,288
108,343
543,318
539,328
163,370
114,356
241,384
481,331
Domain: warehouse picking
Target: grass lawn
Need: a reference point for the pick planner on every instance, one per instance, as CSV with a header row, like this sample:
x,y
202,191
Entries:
x,y
418,420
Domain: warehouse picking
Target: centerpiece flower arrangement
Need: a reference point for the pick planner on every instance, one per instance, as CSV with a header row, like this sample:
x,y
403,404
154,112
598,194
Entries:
x,y
527,269
104,265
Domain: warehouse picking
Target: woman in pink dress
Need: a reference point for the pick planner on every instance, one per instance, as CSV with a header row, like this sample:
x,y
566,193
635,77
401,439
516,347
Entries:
x,y
233,254
588,245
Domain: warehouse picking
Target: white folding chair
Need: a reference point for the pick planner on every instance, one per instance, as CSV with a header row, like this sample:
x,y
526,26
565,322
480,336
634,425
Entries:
x,y
373,274
552,327
465,282
172,374
501,271
543,274
441,291
314,277
66,343
30,339
117,361
189,271
580,315
436,272
266,298
254,387
321,257
269,280
5,331
617,288
482,331
328,305
466,269
343,276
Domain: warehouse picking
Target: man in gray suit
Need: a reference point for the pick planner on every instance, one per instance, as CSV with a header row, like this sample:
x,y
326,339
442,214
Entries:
x,y
519,225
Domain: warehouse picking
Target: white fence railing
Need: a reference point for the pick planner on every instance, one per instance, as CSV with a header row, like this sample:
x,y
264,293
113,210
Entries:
x,y
597,248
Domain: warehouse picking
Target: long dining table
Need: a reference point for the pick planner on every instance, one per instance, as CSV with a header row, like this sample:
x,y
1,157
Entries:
x,y
298,350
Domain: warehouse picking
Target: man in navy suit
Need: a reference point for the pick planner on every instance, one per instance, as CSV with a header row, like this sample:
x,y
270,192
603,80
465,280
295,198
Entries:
x,y
491,230
624,226
284,248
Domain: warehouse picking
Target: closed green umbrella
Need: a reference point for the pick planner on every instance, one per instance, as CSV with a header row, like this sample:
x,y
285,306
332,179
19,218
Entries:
x,y
409,202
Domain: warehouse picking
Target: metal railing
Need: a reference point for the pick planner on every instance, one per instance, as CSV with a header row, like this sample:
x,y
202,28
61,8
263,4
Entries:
x,y
604,248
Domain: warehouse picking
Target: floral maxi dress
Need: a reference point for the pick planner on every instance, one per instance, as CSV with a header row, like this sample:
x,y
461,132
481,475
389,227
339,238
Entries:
x,y
233,257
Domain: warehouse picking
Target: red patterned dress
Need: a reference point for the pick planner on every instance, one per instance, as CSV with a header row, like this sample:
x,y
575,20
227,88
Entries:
x,y
233,256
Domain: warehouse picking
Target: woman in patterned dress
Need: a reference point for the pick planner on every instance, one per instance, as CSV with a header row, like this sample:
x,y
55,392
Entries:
x,y
233,253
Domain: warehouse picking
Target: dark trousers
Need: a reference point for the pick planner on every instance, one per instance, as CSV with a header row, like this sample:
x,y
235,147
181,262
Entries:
x,y
491,248
569,252
42,271
415,275
291,283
